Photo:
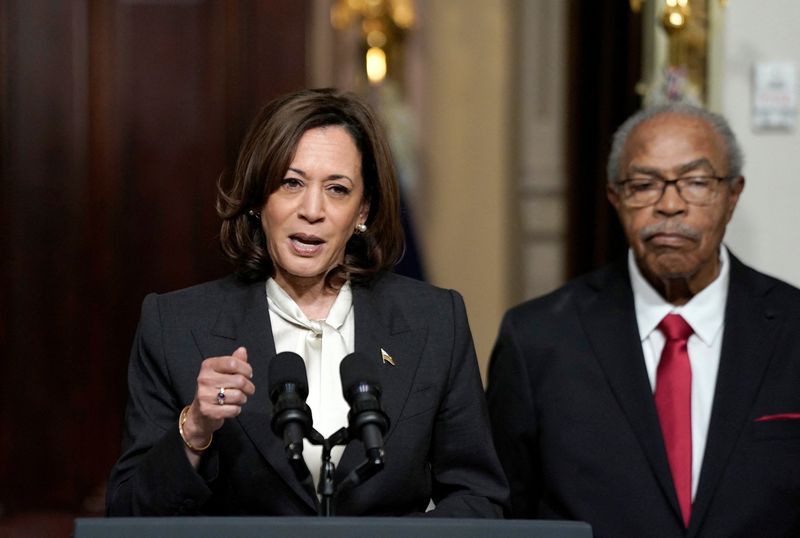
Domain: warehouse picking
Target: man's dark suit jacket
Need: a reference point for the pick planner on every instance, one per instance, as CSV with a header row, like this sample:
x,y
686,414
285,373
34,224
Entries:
x,y
438,447
576,427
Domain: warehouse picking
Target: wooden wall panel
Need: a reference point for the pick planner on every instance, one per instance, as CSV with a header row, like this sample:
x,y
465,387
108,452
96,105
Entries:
x,y
604,42
44,157
117,119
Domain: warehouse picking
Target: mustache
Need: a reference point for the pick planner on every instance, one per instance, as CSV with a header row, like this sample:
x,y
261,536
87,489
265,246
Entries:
x,y
671,228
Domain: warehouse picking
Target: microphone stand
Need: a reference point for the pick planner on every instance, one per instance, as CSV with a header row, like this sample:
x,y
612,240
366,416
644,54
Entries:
x,y
327,488
365,470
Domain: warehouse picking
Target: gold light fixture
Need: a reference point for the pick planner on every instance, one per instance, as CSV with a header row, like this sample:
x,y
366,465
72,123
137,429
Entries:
x,y
636,5
382,26
676,14
376,65
679,66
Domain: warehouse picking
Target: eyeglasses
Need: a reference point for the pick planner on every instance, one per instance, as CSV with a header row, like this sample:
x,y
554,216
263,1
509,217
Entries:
x,y
642,192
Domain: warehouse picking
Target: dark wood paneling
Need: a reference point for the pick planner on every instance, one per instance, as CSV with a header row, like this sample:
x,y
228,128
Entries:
x,y
604,66
117,119
44,162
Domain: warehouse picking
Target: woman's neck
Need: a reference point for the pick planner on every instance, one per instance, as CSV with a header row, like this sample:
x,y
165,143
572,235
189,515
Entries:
x,y
314,297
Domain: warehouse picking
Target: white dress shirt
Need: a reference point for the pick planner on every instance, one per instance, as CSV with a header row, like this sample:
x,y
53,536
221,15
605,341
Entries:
x,y
322,344
705,313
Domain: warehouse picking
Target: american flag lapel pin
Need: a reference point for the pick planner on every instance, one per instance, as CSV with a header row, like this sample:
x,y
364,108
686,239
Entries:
x,y
387,358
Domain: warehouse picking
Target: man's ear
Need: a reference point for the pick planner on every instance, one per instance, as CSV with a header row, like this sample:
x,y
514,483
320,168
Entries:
x,y
613,195
736,188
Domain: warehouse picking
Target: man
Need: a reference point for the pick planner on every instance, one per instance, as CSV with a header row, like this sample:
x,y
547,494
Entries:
x,y
659,396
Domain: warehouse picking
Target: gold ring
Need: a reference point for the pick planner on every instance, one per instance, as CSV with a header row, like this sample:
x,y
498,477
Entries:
x,y
221,396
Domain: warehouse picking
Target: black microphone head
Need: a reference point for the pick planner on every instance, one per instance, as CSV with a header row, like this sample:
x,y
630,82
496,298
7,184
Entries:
x,y
287,368
366,419
358,370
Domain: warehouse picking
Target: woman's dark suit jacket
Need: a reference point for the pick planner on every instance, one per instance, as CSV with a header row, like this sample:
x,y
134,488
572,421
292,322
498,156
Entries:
x,y
438,447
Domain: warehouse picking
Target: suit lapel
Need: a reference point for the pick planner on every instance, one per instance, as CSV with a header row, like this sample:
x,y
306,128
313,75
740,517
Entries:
x,y
609,319
244,321
746,348
381,325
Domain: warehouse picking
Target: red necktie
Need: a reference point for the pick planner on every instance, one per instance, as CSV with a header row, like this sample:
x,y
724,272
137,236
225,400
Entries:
x,y
674,405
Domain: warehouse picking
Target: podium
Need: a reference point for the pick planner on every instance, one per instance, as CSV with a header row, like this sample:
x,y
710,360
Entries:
x,y
335,527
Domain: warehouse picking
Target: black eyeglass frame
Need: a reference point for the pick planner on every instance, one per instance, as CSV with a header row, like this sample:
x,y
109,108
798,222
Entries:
x,y
678,181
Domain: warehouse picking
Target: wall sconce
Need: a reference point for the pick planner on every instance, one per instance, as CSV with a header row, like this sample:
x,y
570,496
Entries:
x,y
676,15
636,5
677,68
383,24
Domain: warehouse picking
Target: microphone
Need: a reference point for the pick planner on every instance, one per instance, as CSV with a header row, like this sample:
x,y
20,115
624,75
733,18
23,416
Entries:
x,y
291,416
366,420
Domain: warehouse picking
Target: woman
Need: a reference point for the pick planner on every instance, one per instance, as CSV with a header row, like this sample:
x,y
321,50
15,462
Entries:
x,y
311,224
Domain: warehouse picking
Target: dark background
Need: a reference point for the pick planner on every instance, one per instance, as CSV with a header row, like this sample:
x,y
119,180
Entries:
x,y
116,120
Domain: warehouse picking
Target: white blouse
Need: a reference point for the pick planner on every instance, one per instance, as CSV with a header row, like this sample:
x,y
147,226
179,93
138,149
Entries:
x,y
322,344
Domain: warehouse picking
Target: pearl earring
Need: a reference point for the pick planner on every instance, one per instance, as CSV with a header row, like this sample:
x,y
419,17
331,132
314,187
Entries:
x,y
254,214
361,228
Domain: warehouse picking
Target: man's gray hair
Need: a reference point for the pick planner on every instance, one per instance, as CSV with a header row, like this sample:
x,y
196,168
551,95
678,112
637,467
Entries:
x,y
735,159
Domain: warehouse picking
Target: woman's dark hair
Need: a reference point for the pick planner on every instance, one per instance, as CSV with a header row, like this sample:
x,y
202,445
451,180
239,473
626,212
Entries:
x,y
264,158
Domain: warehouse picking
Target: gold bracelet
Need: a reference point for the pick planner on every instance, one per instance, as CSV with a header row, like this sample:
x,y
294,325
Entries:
x,y
181,421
